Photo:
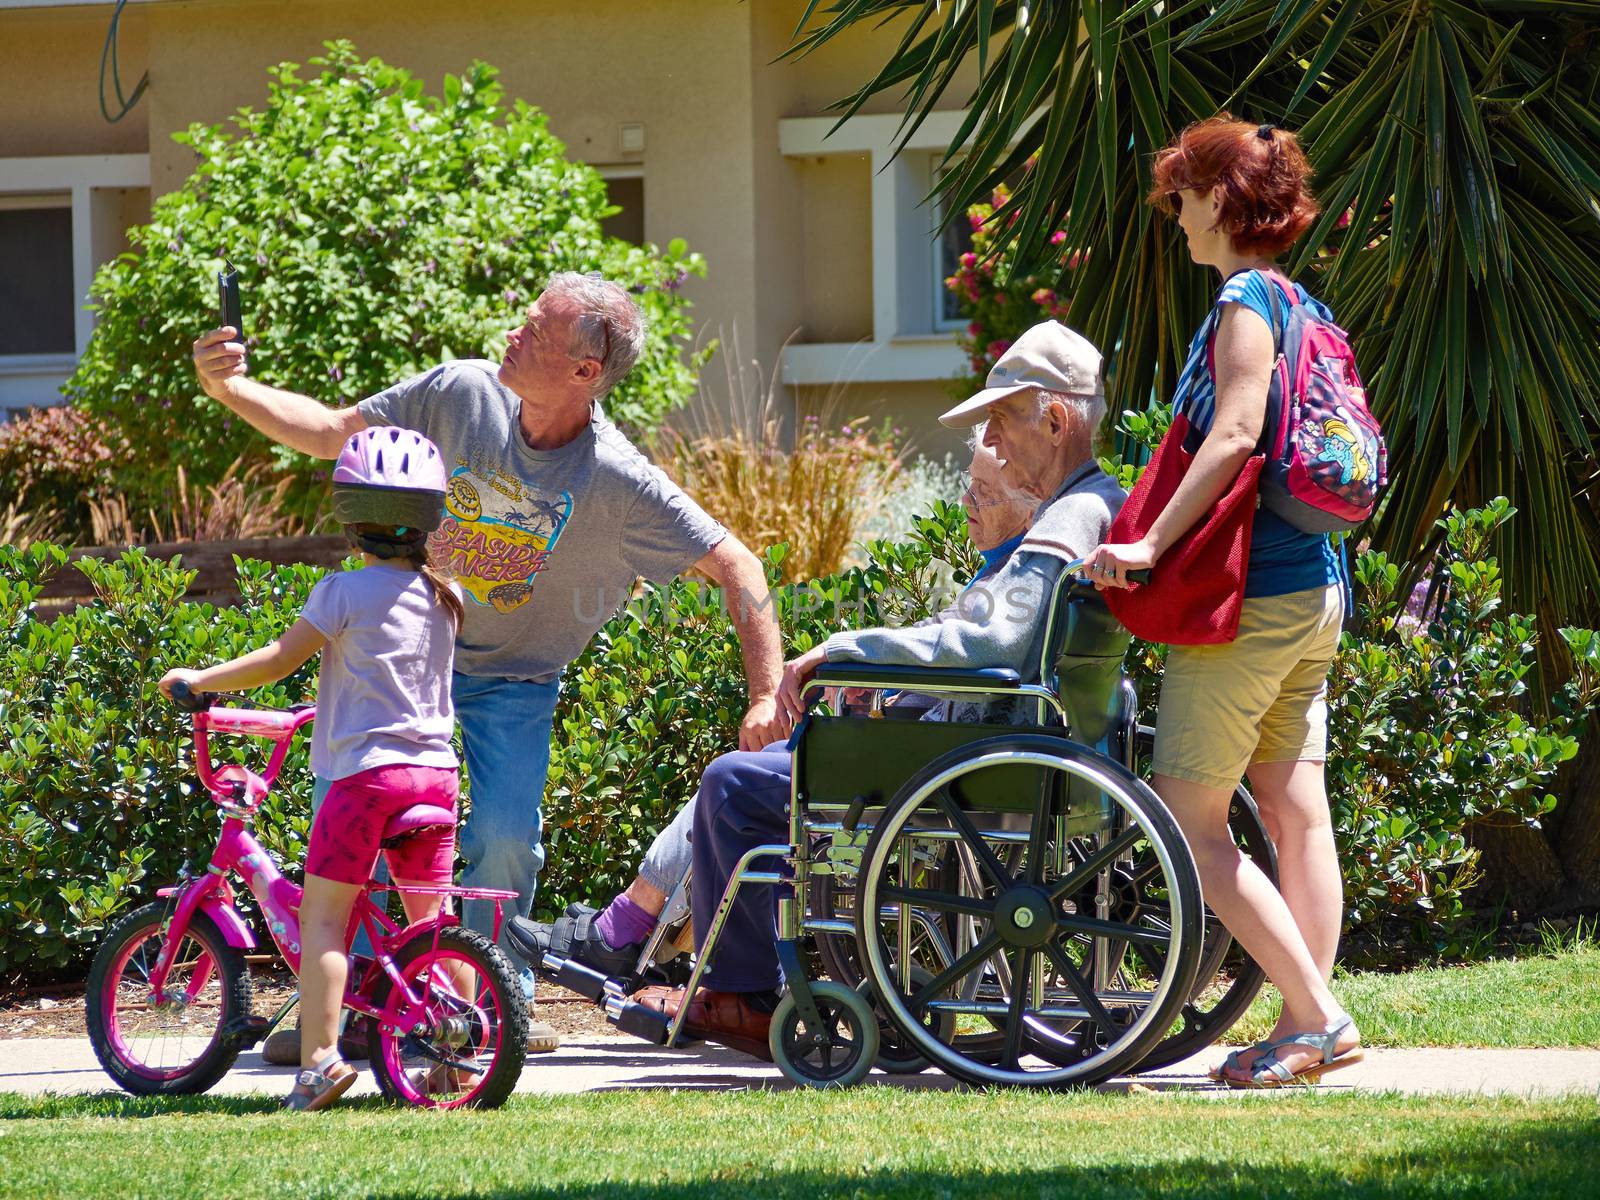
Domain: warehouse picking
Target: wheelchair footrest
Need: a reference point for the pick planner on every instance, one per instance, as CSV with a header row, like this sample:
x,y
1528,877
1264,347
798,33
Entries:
x,y
631,1017
576,977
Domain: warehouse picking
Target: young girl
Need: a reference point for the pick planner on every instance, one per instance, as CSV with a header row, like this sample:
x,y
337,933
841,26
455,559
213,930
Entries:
x,y
384,718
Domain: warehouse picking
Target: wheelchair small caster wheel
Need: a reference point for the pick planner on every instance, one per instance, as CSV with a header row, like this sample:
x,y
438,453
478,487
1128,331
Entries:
x,y
839,1053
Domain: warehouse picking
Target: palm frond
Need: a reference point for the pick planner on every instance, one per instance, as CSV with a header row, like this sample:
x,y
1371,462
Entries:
x,y
1462,142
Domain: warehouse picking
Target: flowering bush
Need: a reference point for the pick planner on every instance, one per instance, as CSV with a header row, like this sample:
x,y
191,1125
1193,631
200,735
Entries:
x,y
998,306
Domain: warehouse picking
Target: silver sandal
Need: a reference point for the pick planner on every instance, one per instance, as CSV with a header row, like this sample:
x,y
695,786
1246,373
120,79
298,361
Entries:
x,y
316,1088
1271,1073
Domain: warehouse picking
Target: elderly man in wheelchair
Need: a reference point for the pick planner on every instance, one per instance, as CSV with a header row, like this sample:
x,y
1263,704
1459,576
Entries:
x,y
995,894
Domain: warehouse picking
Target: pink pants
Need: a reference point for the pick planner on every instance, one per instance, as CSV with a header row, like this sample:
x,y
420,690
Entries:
x,y
349,827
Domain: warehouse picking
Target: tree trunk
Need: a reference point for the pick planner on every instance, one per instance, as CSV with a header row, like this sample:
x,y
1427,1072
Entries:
x,y
1519,868
1575,824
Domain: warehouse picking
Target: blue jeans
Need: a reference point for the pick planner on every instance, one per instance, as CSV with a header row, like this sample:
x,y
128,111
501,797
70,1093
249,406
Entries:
x,y
506,726
505,730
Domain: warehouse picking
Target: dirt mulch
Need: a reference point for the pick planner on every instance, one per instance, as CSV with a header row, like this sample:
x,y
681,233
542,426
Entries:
x,y
59,1011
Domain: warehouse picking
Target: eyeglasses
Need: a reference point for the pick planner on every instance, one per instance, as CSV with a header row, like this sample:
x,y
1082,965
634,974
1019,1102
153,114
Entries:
x,y
970,498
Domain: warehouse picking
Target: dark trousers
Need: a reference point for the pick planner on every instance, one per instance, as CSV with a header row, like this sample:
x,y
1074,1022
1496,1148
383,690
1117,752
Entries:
x,y
742,803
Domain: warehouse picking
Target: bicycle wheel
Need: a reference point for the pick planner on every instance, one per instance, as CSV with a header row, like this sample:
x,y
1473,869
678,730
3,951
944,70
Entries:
x,y
469,1048
183,1044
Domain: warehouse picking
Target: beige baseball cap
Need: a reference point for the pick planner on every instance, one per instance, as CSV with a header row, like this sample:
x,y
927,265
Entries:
x,y
1048,356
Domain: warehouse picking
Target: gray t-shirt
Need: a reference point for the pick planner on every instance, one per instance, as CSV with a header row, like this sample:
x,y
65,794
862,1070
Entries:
x,y
383,696
546,544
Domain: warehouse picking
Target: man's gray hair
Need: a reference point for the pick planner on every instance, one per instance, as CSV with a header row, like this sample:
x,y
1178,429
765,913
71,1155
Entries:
x,y
1091,408
611,327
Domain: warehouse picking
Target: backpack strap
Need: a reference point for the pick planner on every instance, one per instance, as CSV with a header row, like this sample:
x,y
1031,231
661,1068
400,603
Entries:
x,y
1289,296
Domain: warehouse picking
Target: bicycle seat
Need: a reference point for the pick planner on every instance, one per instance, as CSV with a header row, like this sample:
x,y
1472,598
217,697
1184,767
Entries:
x,y
415,819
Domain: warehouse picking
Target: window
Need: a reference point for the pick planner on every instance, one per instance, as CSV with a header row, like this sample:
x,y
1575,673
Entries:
x,y
954,240
61,216
36,308
626,190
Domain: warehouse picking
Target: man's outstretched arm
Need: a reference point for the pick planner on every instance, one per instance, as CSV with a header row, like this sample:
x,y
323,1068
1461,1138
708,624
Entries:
x,y
755,618
288,418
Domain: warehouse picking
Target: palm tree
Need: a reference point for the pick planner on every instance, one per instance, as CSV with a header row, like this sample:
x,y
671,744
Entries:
x,y
1462,140
1457,149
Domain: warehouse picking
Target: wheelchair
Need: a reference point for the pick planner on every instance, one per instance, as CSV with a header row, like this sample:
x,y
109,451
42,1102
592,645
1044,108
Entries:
x,y
1006,902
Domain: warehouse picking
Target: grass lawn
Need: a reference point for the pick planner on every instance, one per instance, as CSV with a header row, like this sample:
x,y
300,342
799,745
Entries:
x,y
872,1142
1551,999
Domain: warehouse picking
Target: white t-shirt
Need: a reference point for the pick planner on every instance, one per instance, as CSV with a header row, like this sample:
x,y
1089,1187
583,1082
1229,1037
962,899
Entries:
x,y
384,692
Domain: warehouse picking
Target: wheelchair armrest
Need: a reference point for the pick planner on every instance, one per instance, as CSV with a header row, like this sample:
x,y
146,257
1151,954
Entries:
x,y
916,679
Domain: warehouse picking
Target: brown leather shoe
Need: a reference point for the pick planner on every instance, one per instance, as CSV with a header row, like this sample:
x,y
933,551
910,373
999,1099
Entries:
x,y
722,1017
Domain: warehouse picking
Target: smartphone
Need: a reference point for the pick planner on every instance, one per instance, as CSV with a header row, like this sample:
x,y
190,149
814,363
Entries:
x,y
228,300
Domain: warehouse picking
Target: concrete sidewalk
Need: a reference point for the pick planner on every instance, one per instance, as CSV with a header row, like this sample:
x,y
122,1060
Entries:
x,y
597,1064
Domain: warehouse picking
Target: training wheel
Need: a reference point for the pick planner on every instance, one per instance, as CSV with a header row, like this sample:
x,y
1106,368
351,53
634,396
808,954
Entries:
x,y
837,1054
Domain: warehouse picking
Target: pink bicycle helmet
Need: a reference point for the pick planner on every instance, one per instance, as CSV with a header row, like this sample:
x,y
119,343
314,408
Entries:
x,y
389,477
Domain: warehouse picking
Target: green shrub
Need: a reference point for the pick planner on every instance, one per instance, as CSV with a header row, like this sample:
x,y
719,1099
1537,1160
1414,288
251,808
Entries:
x,y
1431,727
98,800
378,230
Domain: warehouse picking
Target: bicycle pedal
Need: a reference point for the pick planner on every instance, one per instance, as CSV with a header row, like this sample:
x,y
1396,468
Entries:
x,y
248,1029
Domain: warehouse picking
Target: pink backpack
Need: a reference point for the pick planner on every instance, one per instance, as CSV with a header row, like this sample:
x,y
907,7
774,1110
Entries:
x,y
1326,461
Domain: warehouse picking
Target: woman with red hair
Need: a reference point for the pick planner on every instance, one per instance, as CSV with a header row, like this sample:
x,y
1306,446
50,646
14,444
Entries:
x,y
1241,194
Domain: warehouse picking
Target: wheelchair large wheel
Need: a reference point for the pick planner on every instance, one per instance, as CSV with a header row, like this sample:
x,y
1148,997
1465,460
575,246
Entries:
x,y
1061,989
1228,979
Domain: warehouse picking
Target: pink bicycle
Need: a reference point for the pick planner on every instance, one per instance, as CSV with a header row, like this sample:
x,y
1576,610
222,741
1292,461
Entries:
x,y
169,992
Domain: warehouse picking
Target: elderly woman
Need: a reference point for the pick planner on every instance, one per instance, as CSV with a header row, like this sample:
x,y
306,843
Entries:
x,y
611,939
1258,703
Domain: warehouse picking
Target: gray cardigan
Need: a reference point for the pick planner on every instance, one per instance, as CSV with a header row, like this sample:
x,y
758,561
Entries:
x,y
1000,621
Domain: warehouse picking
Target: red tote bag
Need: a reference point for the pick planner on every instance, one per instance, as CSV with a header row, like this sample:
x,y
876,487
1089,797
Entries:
x,y
1197,587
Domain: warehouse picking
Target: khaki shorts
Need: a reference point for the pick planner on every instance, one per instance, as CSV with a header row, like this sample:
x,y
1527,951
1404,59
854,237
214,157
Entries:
x,y
1262,697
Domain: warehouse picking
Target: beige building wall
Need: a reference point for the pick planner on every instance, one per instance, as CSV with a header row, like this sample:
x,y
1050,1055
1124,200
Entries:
x,y
50,82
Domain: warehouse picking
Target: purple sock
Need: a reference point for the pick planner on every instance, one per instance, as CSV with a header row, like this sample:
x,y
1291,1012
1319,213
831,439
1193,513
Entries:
x,y
623,923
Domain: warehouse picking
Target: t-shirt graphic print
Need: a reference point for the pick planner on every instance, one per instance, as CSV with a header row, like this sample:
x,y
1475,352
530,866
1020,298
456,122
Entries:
x,y
498,534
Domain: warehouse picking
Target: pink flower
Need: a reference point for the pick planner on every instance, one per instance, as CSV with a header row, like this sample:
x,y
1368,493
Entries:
x,y
1074,260
975,219
1345,218
974,329
997,347
1043,297
969,259
1058,237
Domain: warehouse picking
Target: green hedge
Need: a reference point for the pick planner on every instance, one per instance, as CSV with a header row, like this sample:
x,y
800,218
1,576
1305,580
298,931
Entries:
x,y
1432,727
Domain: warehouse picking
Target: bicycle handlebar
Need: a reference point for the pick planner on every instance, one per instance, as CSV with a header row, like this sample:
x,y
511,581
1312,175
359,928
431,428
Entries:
x,y
190,700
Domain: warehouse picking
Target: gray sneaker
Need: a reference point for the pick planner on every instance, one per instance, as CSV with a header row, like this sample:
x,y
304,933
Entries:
x,y
542,1037
282,1049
